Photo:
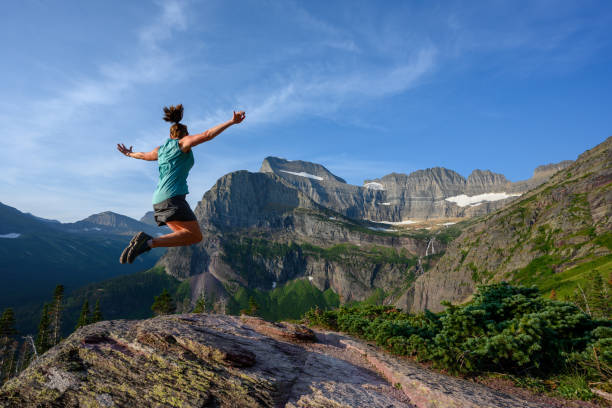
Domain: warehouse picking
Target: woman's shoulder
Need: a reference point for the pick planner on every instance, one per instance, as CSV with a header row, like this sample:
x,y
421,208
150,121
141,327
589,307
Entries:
x,y
170,144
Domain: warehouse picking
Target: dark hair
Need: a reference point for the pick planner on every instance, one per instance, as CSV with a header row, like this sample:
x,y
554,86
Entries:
x,y
175,114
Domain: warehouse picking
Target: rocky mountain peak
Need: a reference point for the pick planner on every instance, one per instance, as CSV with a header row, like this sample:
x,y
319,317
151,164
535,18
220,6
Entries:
x,y
298,168
550,169
485,181
486,177
110,219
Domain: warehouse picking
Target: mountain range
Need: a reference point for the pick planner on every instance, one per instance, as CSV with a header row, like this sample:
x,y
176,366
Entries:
x,y
37,254
424,194
295,220
296,231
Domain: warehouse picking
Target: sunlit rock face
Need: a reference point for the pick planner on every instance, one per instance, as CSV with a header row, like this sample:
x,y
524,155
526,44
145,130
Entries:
x,y
423,194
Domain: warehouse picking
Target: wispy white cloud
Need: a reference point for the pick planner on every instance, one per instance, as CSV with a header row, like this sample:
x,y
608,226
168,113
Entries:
x,y
312,92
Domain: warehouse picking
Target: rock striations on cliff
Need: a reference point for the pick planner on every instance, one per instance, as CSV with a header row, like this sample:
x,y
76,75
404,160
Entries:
x,y
424,194
537,239
261,231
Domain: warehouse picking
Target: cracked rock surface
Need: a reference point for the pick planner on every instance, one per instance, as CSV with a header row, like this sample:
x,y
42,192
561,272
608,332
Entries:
x,y
196,360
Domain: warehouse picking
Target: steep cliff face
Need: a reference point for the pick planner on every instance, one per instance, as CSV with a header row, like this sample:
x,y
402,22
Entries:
x,y
424,194
324,188
261,231
546,237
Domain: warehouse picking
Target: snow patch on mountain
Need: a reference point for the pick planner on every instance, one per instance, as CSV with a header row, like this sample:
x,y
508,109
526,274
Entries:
x,y
374,186
381,229
405,222
463,200
303,174
10,235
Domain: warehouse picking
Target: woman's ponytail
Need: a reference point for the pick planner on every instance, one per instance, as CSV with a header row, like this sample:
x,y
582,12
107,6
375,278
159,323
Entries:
x,y
174,114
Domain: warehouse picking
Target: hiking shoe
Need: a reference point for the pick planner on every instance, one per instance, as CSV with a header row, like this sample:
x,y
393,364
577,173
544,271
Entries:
x,y
124,254
139,246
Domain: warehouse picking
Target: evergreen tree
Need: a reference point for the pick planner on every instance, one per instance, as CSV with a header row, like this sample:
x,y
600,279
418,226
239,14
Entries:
x,y
43,339
600,296
8,361
253,306
25,355
200,306
84,317
97,314
163,304
56,313
252,309
186,305
7,323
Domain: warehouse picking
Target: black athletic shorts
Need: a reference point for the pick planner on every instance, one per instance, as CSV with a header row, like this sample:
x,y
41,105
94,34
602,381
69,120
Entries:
x,y
173,209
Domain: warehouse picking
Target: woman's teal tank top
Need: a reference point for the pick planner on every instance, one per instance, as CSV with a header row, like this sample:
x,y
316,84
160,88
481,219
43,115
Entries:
x,y
174,166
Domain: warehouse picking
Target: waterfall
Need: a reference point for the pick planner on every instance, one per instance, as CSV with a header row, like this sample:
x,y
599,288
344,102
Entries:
x,y
430,244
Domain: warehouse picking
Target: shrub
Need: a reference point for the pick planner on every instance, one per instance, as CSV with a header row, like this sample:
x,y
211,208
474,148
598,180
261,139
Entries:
x,y
504,328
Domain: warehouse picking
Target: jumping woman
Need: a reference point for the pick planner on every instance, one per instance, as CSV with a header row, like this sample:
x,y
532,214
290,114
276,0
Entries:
x,y
175,159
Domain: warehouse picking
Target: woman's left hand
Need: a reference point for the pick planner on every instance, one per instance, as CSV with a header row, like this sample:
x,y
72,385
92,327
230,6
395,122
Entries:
x,y
238,117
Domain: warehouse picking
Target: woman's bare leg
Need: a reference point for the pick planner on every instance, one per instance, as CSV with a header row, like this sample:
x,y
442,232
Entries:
x,y
183,233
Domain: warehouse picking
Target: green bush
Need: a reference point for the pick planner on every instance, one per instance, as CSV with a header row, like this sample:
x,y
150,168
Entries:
x,y
504,329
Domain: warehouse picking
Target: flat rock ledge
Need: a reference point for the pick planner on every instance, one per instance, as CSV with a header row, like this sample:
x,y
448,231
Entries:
x,y
429,389
200,360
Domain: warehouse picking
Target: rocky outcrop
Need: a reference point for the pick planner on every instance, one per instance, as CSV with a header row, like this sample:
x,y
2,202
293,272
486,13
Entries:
x,y
562,223
195,361
426,388
199,360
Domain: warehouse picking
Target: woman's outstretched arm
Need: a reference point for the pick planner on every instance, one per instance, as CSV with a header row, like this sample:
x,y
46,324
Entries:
x,y
190,141
150,156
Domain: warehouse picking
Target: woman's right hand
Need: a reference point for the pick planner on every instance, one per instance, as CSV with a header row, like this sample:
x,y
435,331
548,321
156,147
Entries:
x,y
121,147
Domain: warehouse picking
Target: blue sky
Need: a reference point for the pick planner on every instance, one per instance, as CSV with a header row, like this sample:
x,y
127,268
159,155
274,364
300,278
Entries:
x,y
362,87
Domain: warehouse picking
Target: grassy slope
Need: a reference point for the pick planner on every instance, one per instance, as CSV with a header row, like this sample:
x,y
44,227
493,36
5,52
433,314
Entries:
x,y
289,301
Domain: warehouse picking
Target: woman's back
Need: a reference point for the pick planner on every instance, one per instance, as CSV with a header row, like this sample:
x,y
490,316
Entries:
x,y
174,166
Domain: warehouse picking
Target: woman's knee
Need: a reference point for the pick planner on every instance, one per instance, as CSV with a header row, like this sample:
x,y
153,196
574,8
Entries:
x,y
196,236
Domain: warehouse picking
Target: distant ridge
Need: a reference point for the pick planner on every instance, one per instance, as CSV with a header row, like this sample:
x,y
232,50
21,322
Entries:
x,y
423,194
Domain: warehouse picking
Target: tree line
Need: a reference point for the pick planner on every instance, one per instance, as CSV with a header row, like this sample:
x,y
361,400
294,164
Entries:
x,y
18,351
